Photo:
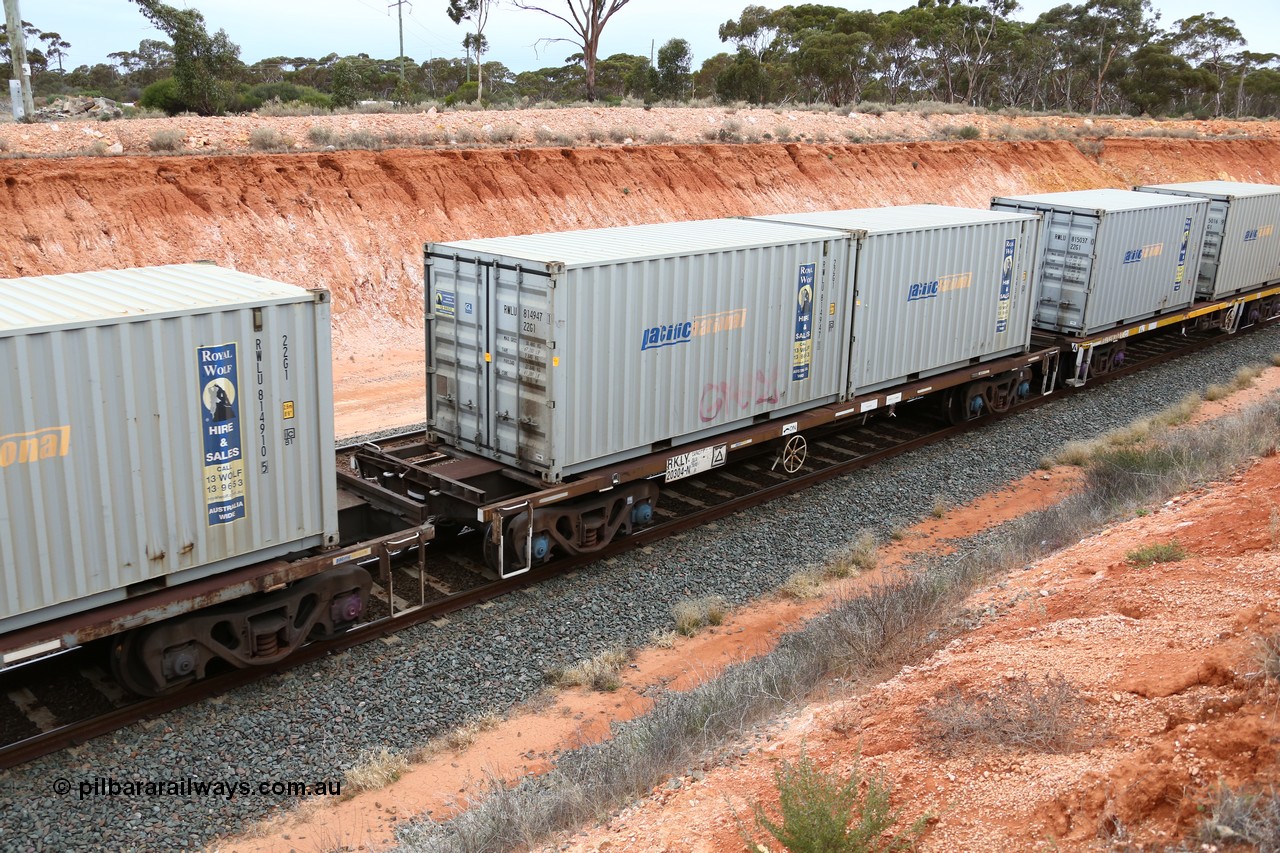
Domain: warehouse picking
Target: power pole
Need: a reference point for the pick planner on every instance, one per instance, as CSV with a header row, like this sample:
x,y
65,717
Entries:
x,y
21,70
399,7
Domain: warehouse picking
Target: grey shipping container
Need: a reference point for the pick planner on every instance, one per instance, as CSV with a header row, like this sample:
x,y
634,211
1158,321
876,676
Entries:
x,y
1112,257
936,287
1241,240
159,425
558,353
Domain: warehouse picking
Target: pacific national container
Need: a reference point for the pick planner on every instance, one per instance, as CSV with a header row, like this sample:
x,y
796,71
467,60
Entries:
x,y
937,287
159,425
1241,237
1112,257
558,353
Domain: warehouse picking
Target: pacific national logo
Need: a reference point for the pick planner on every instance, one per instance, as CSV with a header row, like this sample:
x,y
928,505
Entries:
x,y
930,289
1137,256
25,447
1259,233
671,334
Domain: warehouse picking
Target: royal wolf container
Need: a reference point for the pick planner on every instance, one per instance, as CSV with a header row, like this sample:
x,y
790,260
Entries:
x,y
936,288
1241,240
558,353
1112,257
159,425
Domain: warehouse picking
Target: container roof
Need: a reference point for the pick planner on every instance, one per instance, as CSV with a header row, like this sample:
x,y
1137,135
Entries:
x,y
1220,189
1095,200
41,303
635,242
887,220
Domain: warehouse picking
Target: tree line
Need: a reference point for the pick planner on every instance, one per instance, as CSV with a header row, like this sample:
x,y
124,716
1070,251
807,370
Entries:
x,y
1100,56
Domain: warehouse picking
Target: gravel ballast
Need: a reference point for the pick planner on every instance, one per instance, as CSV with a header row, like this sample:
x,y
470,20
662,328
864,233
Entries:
x,y
311,724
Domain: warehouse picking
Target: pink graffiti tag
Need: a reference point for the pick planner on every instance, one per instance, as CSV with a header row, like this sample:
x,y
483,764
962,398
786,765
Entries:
x,y
737,396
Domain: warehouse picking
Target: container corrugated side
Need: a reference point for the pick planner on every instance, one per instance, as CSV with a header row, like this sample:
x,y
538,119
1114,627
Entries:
x,y
121,466
936,288
1112,257
1242,236
561,353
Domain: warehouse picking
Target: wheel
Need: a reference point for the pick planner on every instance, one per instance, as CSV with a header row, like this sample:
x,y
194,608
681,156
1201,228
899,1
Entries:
x,y
127,667
794,453
491,548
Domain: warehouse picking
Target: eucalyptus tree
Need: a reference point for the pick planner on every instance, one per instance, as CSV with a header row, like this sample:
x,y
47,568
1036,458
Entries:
x,y
586,19
1210,42
201,62
477,12
675,64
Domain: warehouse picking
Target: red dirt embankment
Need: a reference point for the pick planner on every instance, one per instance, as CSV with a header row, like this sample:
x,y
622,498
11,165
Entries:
x,y
355,221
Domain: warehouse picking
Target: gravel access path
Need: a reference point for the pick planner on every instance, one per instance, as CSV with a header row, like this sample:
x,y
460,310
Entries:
x,y
311,724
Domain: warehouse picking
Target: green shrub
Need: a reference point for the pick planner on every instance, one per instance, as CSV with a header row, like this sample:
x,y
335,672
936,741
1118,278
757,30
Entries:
x,y
464,94
824,813
1163,552
162,95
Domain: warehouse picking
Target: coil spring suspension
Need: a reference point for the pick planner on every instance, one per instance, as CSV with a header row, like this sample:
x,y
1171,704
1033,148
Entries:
x,y
265,645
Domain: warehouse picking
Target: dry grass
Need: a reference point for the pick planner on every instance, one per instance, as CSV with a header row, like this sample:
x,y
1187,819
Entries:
x,y
1080,453
694,614
1237,818
467,733
880,629
375,770
504,133
1243,379
803,585
1269,657
1015,713
268,139
166,139
863,556
664,639
941,505
602,672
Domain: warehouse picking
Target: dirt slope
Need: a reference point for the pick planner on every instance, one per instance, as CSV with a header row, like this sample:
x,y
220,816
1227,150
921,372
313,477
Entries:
x,y
1162,656
355,221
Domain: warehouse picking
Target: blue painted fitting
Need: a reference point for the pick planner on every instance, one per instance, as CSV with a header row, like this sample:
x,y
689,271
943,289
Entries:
x,y
1024,389
541,546
641,513
976,405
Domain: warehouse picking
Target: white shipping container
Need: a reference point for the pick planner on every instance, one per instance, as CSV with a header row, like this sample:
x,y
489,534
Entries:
x,y
1241,237
936,288
558,353
1112,257
159,425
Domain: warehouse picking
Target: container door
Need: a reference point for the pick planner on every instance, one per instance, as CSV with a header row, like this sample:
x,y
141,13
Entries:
x,y
458,394
1211,255
520,358
1066,270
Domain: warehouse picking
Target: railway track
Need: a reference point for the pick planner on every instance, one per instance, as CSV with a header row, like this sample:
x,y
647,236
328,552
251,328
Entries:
x,y
66,700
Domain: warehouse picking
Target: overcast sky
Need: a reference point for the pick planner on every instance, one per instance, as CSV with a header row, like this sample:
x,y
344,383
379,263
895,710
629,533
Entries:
x,y
315,28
